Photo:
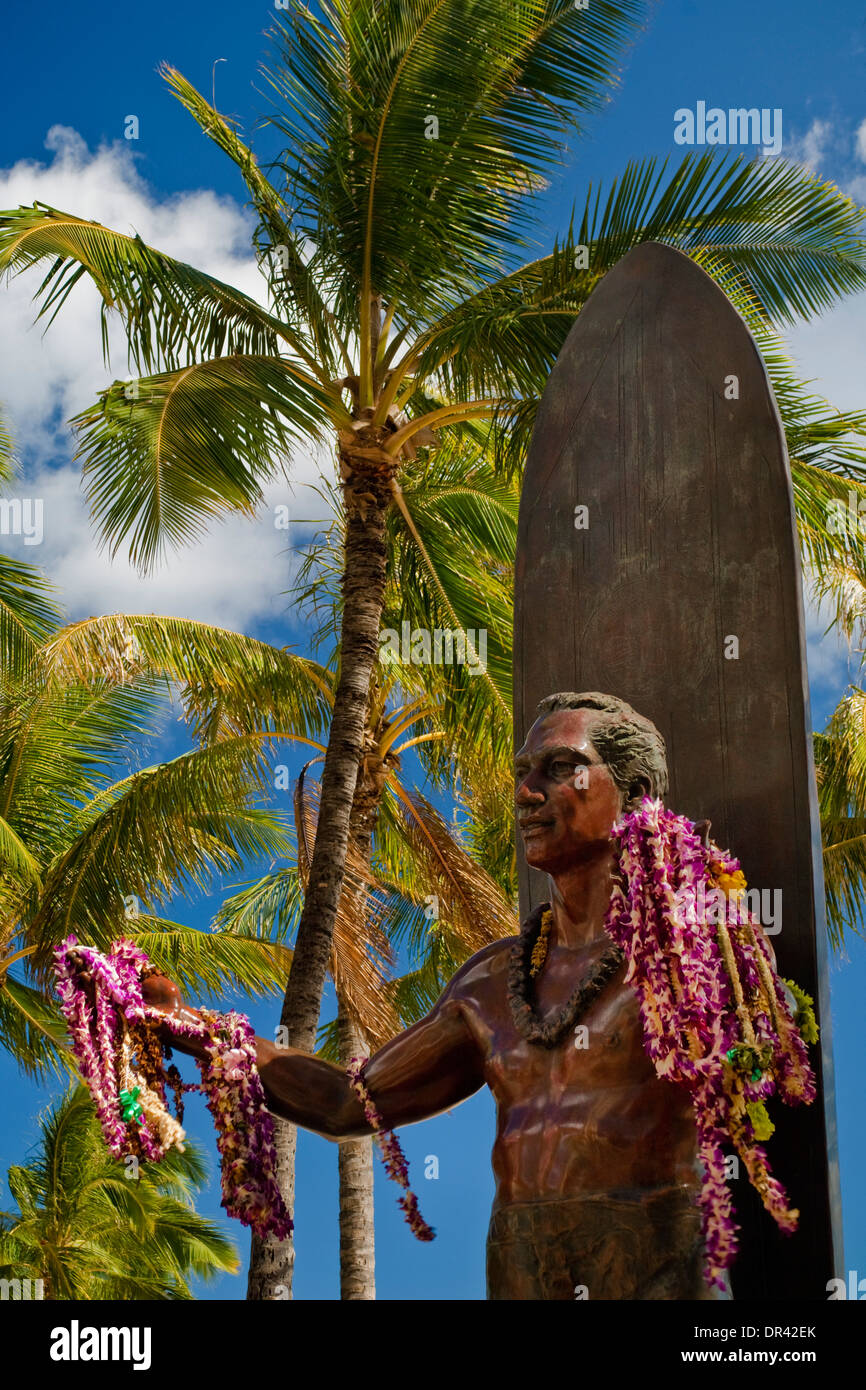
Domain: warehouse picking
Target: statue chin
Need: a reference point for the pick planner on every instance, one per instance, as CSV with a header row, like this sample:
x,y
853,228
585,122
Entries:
x,y
533,850
536,858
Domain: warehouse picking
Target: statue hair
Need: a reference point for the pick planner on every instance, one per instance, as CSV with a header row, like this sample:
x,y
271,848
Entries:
x,y
629,744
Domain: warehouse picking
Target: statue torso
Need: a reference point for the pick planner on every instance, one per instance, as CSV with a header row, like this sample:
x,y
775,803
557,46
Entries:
x,y
573,1119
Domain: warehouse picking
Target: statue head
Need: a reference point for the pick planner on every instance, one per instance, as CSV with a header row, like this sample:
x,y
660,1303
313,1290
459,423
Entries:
x,y
587,759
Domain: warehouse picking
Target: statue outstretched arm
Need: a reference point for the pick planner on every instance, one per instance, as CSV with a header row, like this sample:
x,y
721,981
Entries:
x,y
430,1067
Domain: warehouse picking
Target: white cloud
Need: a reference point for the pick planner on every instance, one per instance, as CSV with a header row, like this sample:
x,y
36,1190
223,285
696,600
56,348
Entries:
x,y
855,188
831,350
826,150
238,573
810,149
236,576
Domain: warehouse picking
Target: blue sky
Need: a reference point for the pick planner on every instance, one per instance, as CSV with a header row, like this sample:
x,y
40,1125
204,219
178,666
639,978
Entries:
x,y
71,77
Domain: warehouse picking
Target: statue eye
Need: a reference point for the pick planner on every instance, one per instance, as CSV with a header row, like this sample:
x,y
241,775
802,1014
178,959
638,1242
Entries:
x,y
561,768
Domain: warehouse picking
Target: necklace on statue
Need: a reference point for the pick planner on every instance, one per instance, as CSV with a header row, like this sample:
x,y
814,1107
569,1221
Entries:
x,y
528,956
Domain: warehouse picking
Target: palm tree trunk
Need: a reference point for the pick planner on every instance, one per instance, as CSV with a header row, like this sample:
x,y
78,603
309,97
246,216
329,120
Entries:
x,y
357,1226
367,495
272,1262
363,593
357,1217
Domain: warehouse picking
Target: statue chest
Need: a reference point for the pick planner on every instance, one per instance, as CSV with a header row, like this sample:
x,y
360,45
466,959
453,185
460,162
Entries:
x,y
601,1047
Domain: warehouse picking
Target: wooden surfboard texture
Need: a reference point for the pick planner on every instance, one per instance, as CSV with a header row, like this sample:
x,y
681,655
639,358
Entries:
x,y
691,542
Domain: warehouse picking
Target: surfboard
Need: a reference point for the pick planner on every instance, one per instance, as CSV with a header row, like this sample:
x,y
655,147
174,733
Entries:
x,y
657,560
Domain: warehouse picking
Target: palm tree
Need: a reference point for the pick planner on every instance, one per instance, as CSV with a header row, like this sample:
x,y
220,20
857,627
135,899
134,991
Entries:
x,y
451,531
89,1227
402,858
393,232
85,850
450,543
840,765
236,690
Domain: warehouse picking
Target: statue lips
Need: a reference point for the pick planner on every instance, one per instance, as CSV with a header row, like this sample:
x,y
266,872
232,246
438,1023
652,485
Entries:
x,y
535,825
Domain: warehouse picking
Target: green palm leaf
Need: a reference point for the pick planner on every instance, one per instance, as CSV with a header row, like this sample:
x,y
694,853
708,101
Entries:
x,y
150,834
292,280
92,1230
354,89
28,613
192,445
15,858
840,765
58,747
171,312
213,962
771,233
230,683
7,453
33,1030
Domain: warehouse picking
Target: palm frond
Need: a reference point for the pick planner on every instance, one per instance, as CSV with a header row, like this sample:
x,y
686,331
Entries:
x,y
769,232
292,281
29,612
791,242
230,683
268,909
16,861
95,1232
191,445
58,746
7,452
33,1031
160,830
469,903
172,313
840,766
361,954
417,219
213,962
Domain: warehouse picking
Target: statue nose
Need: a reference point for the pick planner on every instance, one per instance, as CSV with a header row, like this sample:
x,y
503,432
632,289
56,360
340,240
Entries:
x,y
527,792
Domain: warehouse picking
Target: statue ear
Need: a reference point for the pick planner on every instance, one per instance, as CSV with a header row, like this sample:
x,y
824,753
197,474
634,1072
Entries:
x,y
639,788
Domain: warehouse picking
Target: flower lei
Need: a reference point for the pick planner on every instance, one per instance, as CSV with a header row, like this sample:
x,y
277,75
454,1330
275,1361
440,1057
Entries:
x,y
116,1042
389,1145
714,1011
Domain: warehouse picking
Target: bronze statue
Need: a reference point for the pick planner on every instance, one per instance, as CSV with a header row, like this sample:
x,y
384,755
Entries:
x,y
595,1157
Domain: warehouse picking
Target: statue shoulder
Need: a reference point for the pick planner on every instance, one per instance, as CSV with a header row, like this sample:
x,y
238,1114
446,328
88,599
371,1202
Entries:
x,y
486,964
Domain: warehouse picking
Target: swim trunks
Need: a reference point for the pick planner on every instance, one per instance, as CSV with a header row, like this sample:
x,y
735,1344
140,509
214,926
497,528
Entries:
x,y
638,1244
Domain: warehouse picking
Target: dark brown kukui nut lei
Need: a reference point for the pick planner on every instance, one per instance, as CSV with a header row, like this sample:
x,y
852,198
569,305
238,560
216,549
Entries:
x,y
520,972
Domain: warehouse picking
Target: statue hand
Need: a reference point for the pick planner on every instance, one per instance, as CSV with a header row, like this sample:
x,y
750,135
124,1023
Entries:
x,y
159,992
162,994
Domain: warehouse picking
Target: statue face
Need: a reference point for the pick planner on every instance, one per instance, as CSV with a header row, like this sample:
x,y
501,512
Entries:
x,y
563,823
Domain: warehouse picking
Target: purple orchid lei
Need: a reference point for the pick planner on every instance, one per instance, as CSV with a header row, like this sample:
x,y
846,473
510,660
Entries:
x,y
100,1035
714,1012
392,1155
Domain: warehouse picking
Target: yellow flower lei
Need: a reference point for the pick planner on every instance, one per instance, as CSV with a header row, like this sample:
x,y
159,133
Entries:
x,y
539,950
